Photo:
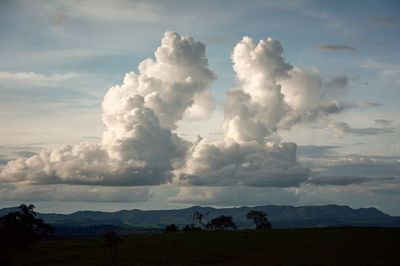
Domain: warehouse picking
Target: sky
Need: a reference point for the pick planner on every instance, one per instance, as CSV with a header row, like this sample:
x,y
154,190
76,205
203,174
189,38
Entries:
x,y
109,105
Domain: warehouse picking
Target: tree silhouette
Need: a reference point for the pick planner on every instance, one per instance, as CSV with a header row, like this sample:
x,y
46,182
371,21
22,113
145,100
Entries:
x,y
21,228
221,223
198,217
172,228
260,219
27,210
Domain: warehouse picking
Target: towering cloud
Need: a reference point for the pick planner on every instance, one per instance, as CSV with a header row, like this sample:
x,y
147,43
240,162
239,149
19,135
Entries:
x,y
170,84
140,114
251,153
138,146
253,111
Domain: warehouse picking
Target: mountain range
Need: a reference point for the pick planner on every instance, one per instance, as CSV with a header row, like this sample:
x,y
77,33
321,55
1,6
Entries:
x,y
279,216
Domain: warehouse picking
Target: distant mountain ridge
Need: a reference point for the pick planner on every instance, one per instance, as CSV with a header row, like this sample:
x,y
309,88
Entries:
x,y
279,216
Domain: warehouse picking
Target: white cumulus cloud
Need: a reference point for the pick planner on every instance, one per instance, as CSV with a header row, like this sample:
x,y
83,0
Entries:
x,y
140,145
250,154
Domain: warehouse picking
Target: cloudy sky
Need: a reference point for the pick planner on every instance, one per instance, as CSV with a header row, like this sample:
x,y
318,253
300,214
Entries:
x,y
166,104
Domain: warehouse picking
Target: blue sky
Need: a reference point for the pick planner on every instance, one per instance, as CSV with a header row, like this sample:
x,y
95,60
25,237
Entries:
x,y
59,58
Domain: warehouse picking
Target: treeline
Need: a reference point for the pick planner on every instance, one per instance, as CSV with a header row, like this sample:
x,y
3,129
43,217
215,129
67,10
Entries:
x,y
221,223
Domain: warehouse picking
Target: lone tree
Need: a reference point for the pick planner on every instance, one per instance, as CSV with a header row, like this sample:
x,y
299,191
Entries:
x,y
221,223
21,228
198,217
260,219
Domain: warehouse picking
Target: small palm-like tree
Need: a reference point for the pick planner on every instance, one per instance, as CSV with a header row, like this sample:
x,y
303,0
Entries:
x,y
27,214
27,209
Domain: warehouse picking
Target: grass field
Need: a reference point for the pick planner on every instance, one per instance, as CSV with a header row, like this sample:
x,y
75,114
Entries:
x,y
346,246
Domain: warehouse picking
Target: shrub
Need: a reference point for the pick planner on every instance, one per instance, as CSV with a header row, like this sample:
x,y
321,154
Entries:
x,y
191,228
171,228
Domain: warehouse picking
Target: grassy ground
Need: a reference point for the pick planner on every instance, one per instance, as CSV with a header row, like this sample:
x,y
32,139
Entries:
x,y
355,246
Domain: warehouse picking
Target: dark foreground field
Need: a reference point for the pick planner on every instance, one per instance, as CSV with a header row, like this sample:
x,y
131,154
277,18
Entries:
x,y
351,246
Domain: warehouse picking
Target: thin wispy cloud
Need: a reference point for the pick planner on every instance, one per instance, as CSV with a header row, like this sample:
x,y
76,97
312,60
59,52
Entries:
x,y
385,123
336,48
384,21
337,180
384,69
32,79
341,129
370,104
120,11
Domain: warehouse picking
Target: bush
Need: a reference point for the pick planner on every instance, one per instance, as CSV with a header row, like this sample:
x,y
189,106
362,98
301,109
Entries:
x,y
172,228
191,228
264,226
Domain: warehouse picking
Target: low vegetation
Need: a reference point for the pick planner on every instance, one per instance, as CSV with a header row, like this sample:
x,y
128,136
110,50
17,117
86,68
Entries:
x,y
333,246
172,228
